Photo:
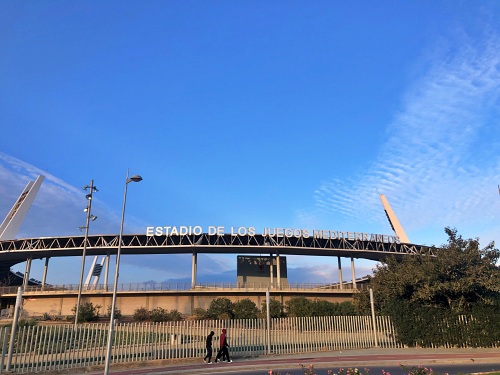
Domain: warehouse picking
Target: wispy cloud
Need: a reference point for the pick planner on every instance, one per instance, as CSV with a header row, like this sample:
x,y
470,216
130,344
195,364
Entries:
x,y
58,207
440,159
58,211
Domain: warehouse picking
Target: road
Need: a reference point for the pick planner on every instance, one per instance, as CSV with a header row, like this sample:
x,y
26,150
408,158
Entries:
x,y
450,361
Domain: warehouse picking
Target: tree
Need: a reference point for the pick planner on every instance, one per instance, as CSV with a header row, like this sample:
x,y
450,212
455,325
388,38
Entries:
x,y
174,316
159,314
275,309
325,308
220,308
87,312
118,313
346,308
141,314
459,276
200,314
425,295
299,306
245,309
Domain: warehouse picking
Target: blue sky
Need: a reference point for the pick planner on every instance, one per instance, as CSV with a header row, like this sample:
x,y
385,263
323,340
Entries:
x,y
251,113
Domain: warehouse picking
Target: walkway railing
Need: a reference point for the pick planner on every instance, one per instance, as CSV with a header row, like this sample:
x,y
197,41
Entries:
x,y
148,287
60,346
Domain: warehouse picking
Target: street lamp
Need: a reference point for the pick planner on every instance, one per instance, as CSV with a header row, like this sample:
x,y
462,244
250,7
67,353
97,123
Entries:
x,y
134,178
92,189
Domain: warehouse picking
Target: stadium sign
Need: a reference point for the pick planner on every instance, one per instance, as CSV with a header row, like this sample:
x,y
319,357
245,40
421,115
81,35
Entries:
x,y
270,232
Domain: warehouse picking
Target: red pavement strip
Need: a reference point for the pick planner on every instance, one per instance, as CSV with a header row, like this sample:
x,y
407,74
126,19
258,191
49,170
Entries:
x,y
269,362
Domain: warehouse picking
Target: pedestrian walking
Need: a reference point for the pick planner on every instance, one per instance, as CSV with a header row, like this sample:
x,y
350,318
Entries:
x,y
223,351
208,344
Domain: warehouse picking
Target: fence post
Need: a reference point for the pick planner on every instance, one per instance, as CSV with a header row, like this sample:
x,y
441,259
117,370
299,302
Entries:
x,y
4,346
374,323
268,319
15,319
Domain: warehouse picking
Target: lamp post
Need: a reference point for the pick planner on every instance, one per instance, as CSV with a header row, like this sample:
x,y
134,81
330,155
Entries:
x,y
134,178
92,189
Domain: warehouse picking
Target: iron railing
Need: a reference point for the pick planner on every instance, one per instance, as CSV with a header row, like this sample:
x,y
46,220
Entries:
x,y
48,347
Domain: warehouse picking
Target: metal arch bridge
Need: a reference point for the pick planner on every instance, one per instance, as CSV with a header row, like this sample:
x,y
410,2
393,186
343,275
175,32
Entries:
x,y
20,250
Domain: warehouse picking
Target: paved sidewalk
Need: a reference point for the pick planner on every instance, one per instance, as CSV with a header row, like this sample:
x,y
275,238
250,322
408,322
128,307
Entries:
x,y
364,357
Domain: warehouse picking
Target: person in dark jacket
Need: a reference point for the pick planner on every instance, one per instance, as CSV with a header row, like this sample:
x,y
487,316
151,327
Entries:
x,y
208,344
223,347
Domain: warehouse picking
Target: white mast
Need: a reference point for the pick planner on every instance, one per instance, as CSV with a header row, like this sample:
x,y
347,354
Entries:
x,y
14,219
393,220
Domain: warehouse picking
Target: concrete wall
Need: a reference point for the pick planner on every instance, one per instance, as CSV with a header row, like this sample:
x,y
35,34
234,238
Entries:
x,y
185,303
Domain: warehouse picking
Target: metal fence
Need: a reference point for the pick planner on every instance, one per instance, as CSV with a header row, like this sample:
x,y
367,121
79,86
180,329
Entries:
x,y
47,347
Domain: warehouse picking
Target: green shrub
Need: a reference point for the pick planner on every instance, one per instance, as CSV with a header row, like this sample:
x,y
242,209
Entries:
x,y
225,316
299,307
245,309
141,314
159,314
28,322
87,313
200,314
220,307
275,309
118,313
174,316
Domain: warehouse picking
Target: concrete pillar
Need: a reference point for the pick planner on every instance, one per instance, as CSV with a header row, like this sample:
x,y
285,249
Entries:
x,y
194,265
278,271
45,269
106,272
353,274
340,273
89,276
271,269
27,273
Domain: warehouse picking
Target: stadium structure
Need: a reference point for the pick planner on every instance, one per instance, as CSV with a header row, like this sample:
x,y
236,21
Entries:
x,y
256,274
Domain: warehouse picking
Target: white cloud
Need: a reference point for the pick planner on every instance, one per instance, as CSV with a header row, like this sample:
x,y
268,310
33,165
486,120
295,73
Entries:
x,y
58,211
439,165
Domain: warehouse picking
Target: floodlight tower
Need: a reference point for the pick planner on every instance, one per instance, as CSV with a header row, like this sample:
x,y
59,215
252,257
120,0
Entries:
x,y
92,189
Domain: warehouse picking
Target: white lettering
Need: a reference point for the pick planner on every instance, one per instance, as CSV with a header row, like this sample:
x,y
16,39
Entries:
x,y
240,231
272,232
317,234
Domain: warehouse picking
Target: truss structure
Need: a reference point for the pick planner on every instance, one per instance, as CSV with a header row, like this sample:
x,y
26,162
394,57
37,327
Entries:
x,y
16,251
